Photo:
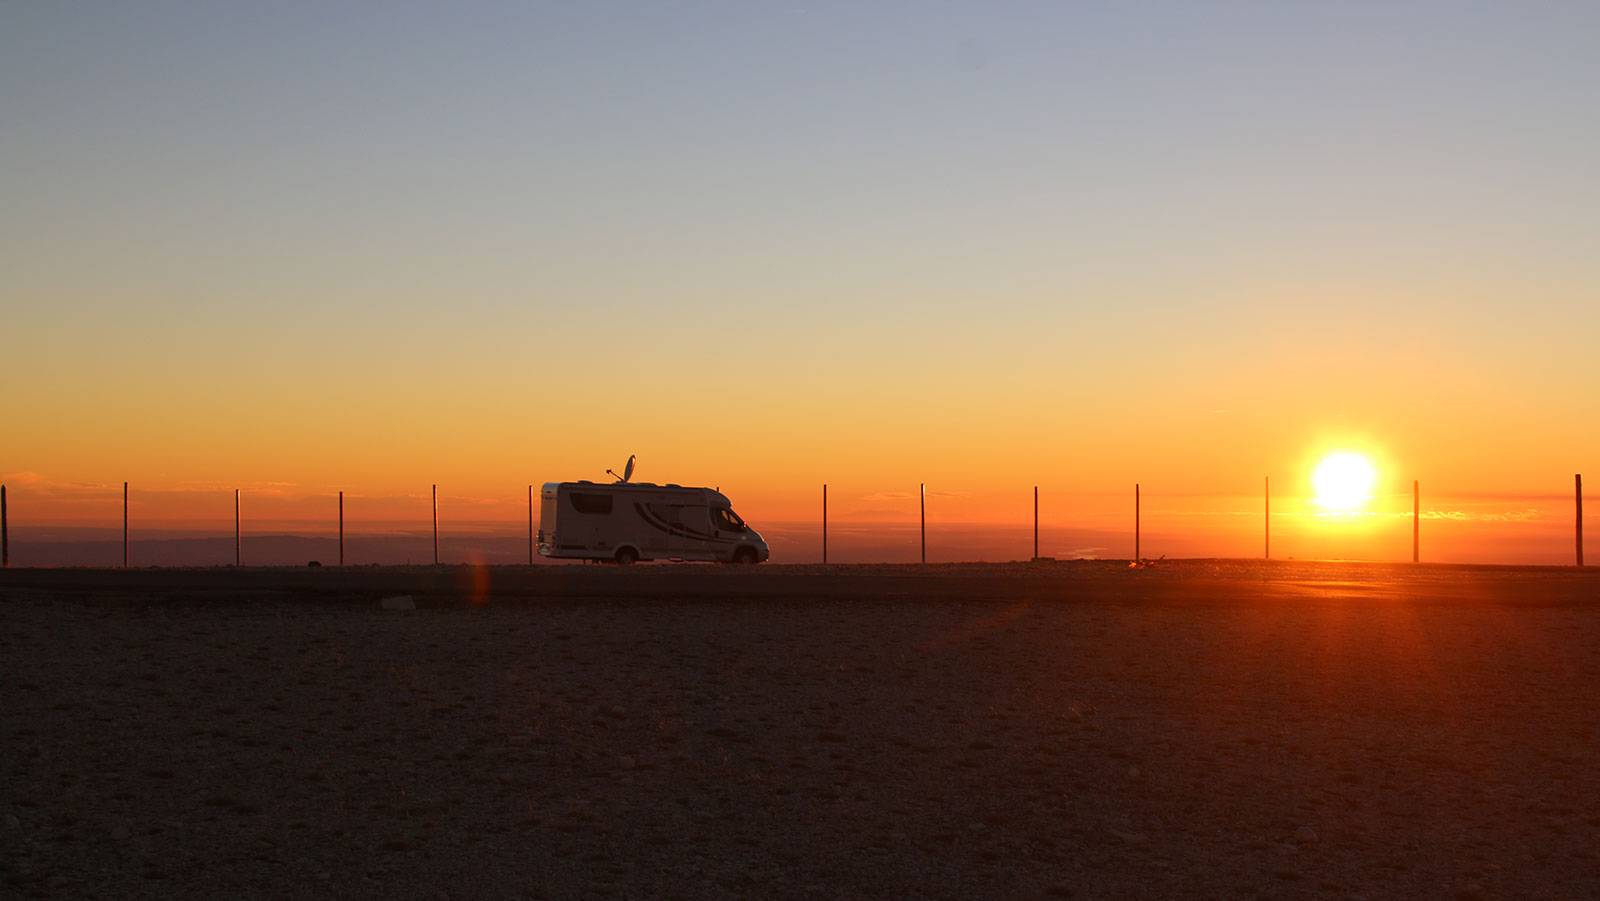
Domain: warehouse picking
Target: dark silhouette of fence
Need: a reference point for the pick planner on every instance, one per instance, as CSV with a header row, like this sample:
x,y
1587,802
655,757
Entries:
x,y
1416,522
922,523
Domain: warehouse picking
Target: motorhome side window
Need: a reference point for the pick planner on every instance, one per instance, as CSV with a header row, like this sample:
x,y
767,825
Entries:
x,y
727,519
591,503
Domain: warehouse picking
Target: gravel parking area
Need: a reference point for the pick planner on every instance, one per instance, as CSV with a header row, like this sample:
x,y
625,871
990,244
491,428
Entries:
x,y
1072,730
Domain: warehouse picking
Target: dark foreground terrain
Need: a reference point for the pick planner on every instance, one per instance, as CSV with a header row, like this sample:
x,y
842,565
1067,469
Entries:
x,y
1077,730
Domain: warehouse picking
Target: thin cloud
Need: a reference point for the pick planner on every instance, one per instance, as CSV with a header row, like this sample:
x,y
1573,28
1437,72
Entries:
x,y
214,487
1470,516
42,486
906,495
1466,498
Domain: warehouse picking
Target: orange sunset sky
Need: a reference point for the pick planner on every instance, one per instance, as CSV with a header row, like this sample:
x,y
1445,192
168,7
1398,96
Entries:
x,y
292,252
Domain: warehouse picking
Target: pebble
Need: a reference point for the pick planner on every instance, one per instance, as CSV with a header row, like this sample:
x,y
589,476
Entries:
x,y
12,822
399,602
1305,835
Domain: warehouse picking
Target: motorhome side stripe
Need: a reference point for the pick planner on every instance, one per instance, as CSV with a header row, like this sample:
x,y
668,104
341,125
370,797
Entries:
x,y
672,529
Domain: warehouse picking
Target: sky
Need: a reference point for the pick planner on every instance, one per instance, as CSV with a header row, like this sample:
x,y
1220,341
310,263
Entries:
x,y
297,248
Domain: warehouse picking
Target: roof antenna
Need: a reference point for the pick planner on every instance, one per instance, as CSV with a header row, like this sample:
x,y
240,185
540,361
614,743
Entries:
x,y
627,471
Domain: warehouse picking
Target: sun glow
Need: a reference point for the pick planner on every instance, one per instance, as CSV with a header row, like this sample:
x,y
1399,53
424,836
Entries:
x,y
1343,482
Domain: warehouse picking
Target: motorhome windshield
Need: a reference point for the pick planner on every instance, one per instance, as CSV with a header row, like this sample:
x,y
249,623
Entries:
x,y
727,519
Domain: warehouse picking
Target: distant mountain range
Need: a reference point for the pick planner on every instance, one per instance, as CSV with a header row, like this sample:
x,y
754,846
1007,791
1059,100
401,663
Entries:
x,y
791,543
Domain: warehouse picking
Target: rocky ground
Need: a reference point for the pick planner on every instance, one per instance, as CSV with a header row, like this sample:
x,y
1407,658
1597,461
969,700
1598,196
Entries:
x,y
1072,730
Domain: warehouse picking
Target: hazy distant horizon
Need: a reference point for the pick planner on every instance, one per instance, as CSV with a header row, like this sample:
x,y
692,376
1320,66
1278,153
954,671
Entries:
x,y
792,542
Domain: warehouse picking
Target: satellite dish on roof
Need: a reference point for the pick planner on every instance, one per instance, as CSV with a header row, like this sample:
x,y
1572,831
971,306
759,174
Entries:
x,y
627,471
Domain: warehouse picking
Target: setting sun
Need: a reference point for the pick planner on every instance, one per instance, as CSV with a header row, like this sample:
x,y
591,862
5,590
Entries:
x,y
1343,481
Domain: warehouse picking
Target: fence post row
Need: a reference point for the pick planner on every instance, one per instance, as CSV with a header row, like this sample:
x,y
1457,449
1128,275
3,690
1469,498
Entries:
x,y
922,498
824,522
1416,521
922,506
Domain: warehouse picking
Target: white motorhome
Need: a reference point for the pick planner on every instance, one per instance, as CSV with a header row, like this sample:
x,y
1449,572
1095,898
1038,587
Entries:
x,y
627,522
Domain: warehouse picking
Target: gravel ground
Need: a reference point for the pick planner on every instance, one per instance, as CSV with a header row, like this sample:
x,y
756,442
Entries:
x,y
1073,730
